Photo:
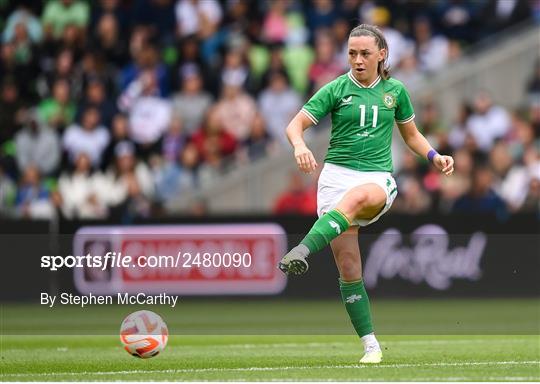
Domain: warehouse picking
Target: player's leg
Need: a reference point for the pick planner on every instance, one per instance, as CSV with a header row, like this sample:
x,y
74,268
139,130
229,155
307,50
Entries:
x,y
361,202
355,298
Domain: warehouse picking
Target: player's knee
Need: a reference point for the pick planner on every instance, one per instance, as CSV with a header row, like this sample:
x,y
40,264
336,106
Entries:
x,y
349,266
353,202
360,200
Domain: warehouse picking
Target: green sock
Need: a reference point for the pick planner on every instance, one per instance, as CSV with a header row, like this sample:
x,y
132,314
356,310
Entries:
x,y
356,302
326,228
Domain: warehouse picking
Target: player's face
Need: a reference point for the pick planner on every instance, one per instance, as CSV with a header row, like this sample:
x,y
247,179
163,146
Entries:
x,y
364,57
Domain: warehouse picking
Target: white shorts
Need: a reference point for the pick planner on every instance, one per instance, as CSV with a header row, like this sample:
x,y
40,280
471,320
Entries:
x,y
336,180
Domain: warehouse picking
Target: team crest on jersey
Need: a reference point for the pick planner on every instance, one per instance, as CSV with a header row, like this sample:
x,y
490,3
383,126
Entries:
x,y
389,100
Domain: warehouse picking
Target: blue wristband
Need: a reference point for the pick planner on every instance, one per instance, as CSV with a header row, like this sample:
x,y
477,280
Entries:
x,y
431,154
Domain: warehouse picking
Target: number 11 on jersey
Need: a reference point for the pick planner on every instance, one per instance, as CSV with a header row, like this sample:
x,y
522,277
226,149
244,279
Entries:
x,y
363,115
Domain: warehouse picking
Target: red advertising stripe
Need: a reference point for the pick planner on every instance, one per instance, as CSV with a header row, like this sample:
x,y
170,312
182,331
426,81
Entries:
x,y
201,259
245,259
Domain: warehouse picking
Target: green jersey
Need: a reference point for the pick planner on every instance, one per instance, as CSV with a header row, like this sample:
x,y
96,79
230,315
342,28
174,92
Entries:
x,y
362,120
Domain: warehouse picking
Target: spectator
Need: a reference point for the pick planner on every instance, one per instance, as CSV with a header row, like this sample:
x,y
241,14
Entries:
x,y
488,122
19,69
119,133
276,63
189,161
432,51
174,140
412,199
398,46
158,16
481,199
515,186
146,60
109,41
81,191
110,7
239,14
149,114
354,11
523,138
278,104
532,201
192,102
457,19
340,31
63,70
32,199
534,116
59,14
236,109
533,87
37,145
10,110
296,199
236,69
8,192
325,67
73,39
455,51
58,111
198,207
95,97
458,131
94,68
321,15
410,168
23,16
172,178
259,144
432,127
452,188
24,47
213,137
407,71
191,61
497,15
214,162
131,183
198,17
89,137
275,27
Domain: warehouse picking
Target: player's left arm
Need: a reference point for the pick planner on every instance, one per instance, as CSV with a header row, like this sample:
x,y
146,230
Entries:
x,y
419,144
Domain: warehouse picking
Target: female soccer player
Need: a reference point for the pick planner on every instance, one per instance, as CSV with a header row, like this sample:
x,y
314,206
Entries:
x,y
355,186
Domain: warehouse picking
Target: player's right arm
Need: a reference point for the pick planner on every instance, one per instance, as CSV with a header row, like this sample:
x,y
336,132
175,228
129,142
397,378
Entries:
x,y
318,106
295,133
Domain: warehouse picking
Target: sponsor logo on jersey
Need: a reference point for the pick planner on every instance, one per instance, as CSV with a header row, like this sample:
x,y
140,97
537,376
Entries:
x,y
335,225
353,298
389,100
364,134
346,101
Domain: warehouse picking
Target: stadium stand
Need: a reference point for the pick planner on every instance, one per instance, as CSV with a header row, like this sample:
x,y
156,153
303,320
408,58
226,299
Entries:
x,y
133,108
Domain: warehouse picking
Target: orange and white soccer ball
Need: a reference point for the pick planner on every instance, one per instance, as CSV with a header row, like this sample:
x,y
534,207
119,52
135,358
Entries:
x,y
144,334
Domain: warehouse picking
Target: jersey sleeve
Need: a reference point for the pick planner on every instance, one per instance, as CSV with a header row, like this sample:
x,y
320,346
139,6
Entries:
x,y
404,110
321,103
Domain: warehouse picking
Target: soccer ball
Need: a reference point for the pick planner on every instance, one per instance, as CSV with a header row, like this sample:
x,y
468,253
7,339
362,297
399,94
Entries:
x,y
144,334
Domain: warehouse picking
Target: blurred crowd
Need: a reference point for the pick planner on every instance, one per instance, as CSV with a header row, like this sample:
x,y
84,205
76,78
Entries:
x,y
112,108
497,160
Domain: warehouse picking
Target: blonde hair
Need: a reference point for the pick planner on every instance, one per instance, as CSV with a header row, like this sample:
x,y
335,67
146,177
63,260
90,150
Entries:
x,y
370,30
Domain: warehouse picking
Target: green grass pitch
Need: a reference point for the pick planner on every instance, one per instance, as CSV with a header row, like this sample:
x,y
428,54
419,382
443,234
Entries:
x,y
423,340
